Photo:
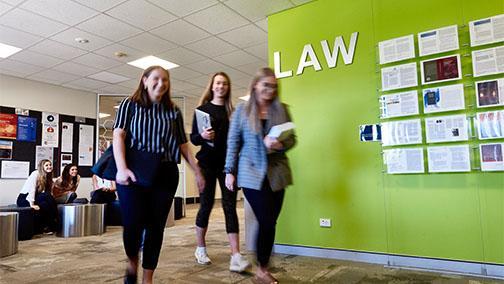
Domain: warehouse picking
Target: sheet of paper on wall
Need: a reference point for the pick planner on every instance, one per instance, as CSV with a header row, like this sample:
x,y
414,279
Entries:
x,y
5,150
488,30
446,98
399,76
490,93
15,169
282,131
27,129
50,129
399,104
447,128
67,137
441,69
86,147
66,159
404,160
488,61
402,132
396,49
438,40
43,152
370,133
492,156
203,120
490,124
8,126
443,159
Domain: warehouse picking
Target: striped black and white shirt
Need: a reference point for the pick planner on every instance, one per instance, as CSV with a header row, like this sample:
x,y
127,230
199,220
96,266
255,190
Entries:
x,y
155,129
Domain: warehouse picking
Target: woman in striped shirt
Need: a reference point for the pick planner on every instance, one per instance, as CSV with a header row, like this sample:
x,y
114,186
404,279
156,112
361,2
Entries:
x,y
149,121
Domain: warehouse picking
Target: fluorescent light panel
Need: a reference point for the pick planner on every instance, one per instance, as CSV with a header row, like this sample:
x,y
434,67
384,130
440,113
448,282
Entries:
x,y
8,50
148,61
103,115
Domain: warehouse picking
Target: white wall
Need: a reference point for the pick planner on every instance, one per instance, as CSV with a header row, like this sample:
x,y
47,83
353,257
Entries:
x,y
17,92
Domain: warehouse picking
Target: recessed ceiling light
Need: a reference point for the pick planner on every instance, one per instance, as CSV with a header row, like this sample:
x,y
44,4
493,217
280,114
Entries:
x,y
81,40
103,115
8,50
148,61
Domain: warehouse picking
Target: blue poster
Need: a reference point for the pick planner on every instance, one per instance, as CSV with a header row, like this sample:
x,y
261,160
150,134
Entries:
x,y
27,129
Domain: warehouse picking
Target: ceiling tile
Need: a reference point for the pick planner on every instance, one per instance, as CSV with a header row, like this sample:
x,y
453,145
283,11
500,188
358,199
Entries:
x,y
242,82
182,73
131,84
211,46
263,24
207,66
236,58
98,61
100,5
149,43
108,77
180,32
68,37
13,2
86,83
114,89
235,74
56,49
260,51
132,54
141,14
258,9
196,92
217,19
31,23
183,8
19,68
75,68
201,81
34,58
4,8
252,68
64,11
182,85
108,27
17,38
53,77
245,36
128,71
181,56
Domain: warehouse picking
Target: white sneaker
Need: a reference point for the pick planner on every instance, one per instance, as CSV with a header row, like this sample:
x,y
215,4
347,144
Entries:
x,y
238,263
202,256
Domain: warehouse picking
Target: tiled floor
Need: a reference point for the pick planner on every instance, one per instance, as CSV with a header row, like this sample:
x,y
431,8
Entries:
x,y
100,259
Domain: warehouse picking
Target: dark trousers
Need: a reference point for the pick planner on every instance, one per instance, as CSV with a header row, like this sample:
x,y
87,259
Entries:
x,y
207,198
47,217
146,209
266,205
102,197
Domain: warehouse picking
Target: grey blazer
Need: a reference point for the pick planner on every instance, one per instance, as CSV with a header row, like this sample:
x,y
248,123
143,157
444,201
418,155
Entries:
x,y
247,155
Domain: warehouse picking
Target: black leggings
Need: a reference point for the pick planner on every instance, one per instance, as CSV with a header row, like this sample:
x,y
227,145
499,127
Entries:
x,y
207,198
147,209
47,216
266,205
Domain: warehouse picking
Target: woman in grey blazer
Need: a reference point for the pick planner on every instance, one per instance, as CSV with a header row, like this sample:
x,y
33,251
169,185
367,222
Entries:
x,y
259,161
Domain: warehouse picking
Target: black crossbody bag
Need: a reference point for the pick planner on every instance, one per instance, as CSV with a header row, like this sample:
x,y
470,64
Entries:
x,y
145,165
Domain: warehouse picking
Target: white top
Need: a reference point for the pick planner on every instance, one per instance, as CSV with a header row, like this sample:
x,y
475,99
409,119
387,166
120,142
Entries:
x,y
30,187
103,183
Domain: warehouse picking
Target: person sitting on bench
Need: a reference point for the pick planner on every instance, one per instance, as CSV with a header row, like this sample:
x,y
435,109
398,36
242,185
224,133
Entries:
x,y
65,185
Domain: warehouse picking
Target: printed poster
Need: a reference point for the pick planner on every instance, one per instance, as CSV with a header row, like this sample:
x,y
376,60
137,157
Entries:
x,y
50,131
27,129
8,126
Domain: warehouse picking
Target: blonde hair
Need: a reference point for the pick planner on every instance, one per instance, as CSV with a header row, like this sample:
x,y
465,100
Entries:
x,y
44,180
208,94
276,112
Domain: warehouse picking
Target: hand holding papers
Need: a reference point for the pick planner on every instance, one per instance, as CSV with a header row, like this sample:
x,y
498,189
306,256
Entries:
x,y
281,131
203,121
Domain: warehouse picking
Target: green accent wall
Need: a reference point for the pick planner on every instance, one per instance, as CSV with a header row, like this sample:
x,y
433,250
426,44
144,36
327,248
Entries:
x,y
458,216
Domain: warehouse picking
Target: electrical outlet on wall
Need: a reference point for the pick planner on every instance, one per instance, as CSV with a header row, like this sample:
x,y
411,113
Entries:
x,y
325,222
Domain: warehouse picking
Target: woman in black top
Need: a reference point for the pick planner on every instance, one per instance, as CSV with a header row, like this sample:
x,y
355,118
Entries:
x,y
151,123
216,101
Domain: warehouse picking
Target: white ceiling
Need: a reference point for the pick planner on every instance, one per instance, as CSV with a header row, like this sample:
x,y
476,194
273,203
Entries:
x,y
202,36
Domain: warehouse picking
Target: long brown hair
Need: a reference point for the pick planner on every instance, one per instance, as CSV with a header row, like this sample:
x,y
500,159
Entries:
x,y
141,97
208,94
44,180
276,112
66,178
